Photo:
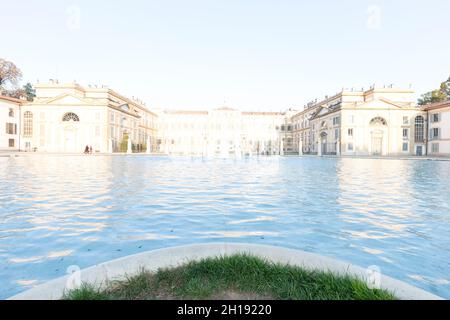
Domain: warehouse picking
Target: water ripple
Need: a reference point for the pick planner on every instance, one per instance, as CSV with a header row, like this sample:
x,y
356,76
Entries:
x,y
60,211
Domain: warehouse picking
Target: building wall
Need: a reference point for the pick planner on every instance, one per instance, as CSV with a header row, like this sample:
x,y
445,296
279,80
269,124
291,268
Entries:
x,y
347,124
9,124
440,145
366,133
102,119
50,133
220,132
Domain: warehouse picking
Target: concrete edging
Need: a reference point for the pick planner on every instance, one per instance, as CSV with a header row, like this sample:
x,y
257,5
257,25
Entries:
x,y
102,274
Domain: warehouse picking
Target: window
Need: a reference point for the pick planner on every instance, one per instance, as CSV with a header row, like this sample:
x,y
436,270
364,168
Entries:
x,y
405,146
350,147
405,133
435,117
11,112
336,121
71,117
419,128
125,107
11,143
434,134
351,119
350,132
11,128
336,133
435,148
405,120
378,121
28,124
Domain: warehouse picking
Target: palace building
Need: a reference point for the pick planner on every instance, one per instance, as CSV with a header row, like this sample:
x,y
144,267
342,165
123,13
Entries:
x,y
376,122
220,132
438,115
10,123
68,117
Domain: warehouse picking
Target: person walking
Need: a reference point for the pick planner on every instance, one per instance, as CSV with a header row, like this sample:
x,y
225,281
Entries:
x,y
86,150
90,150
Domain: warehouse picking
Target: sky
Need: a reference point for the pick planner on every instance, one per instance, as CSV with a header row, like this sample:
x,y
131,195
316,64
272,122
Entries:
x,y
247,54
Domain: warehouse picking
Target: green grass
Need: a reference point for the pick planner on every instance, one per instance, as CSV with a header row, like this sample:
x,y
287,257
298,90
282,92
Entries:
x,y
238,276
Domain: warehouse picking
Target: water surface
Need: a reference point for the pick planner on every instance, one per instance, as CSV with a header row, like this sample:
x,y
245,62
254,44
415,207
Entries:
x,y
59,211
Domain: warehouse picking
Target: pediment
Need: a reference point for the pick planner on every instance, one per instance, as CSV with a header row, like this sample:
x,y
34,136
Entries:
x,y
383,104
68,99
320,112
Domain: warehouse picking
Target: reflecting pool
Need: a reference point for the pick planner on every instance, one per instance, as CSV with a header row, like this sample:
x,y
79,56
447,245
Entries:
x,y
60,211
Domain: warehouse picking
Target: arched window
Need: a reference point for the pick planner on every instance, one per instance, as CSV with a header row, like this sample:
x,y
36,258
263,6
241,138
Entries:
x,y
71,117
378,121
28,124
419,129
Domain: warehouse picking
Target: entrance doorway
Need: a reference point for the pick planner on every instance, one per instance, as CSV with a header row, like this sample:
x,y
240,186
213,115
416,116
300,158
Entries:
x,y
323,140
377,146
419,151
70,143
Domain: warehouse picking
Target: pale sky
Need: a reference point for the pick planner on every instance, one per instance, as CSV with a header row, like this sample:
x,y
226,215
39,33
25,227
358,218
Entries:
x,y
253,54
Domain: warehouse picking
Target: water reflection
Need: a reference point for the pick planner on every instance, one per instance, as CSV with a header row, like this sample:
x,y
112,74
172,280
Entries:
x,y
57,211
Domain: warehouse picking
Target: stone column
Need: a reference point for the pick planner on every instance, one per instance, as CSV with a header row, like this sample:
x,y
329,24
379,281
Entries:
x,y
166,146
237,148
300,147
281,147
319,147
149,146
338,148
129,149
110,146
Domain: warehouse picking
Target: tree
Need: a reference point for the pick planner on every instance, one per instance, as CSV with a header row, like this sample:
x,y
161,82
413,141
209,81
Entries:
x,y
438,95
9,74
30,92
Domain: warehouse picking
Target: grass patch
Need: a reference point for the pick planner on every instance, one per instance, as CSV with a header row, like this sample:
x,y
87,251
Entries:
x,y
234,277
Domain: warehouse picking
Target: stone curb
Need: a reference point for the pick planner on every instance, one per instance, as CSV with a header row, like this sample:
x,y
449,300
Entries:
x,y
100,275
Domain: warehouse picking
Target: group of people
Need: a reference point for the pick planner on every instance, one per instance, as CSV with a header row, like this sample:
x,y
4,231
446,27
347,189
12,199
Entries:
x,y
88,150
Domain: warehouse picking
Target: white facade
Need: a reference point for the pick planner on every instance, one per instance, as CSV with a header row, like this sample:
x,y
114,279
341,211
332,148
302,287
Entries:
x,y
219,132
439,129
9,123
377,122
68,117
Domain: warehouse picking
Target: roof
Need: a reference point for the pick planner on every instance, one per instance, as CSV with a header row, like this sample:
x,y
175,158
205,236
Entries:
x,y
259,113
438,105
13,100
186,112
225,108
